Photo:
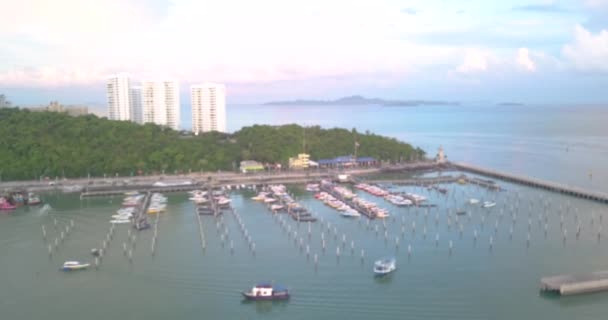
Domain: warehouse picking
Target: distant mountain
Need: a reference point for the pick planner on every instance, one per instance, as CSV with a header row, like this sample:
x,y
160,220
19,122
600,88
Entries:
x,y
511,104
360,100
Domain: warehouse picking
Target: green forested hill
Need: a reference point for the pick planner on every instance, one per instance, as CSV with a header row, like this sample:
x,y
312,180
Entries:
x,y
35,144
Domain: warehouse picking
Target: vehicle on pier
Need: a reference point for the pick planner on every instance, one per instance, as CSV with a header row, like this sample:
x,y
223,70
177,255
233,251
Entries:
x,y
266,291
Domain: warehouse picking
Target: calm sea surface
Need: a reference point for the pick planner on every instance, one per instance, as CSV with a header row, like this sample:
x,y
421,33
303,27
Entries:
x,y
493,275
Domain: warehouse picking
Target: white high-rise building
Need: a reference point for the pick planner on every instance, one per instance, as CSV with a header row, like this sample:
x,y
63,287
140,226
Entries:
x,y
137,114
160,103
118,94
208,107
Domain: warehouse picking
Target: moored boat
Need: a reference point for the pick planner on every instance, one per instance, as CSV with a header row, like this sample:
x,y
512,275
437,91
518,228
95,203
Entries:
x,y
488,204
74,265
33,200
266,291
385,266
5,205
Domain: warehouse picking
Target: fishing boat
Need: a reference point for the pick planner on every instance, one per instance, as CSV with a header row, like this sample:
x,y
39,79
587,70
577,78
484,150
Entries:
x,y
473,201
488,204
385,266
266,291
74,265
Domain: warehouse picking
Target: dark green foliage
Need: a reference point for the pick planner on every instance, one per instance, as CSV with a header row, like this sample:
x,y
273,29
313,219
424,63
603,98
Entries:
x,y
37,144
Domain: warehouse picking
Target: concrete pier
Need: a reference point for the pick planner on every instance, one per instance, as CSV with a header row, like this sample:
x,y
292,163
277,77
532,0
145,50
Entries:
x,y
533,182
575,284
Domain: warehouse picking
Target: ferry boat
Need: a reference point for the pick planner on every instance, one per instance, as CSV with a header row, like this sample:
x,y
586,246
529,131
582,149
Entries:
x,y
266,291
74,265
385,266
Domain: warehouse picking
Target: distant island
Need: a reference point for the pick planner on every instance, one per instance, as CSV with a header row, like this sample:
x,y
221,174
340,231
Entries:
x,y
510,104
360,100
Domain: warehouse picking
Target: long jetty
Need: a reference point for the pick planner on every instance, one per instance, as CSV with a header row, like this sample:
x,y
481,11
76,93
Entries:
x,y
533,182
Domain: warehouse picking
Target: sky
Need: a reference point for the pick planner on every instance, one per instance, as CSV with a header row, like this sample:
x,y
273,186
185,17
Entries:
x,y
531,51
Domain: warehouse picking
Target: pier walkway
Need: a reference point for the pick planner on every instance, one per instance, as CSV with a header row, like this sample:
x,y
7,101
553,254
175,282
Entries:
x,y
533,182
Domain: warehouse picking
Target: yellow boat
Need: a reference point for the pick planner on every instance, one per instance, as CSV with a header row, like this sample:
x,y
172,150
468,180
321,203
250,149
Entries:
x,y
153,211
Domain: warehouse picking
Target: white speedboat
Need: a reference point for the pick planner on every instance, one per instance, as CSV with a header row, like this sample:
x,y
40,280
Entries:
x,y
74,265
120,221
489,204
350,213
385,266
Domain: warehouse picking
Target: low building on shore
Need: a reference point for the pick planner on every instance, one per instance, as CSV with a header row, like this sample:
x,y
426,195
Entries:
x,y
251,166
302,161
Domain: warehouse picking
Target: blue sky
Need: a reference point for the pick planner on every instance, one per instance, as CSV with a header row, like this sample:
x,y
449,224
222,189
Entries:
x,y
532,51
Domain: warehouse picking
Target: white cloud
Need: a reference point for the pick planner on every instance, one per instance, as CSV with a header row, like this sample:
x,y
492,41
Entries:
x,y
596,3
195,41
524,60
588,52
475,60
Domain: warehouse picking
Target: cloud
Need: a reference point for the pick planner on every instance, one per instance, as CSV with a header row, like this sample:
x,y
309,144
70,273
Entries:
x,y
588,52
410,11
192,41
545,7
475,60
596,3
523,60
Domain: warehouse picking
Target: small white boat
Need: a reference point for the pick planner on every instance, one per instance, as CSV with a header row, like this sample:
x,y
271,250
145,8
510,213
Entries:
x,y
489,204
124,216
473,201
276,207
385,266
350,213
223,201
270,200
74,265
120,221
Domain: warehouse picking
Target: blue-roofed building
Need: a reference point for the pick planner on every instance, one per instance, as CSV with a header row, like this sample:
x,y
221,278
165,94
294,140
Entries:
x,y
347,161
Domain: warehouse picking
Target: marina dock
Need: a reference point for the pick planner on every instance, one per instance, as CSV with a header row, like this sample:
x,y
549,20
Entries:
x,y
533,182
576,284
